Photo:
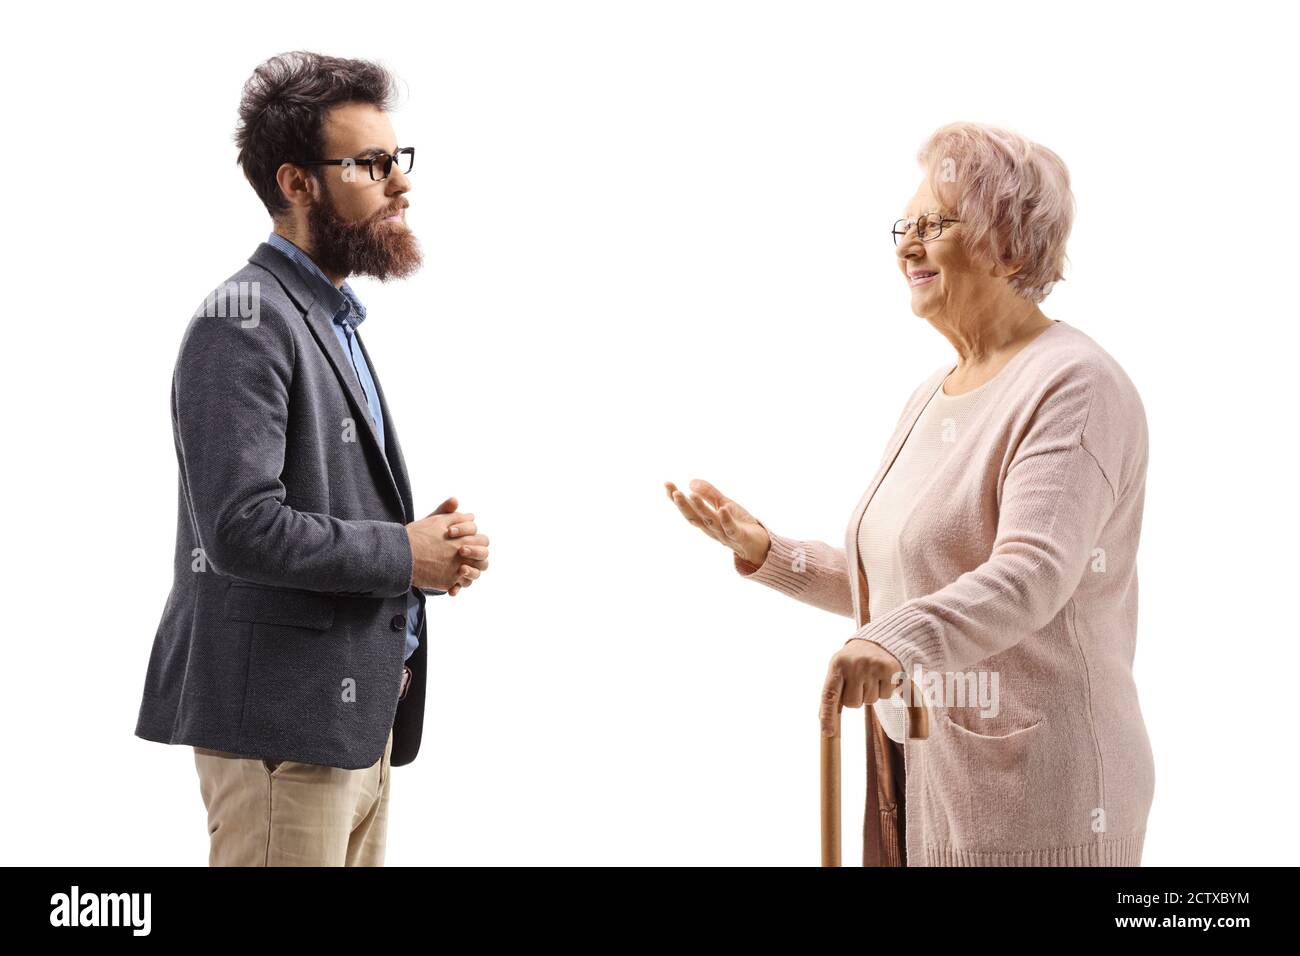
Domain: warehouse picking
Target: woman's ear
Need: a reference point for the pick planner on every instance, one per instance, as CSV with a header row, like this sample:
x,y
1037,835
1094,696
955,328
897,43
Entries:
x,y
1005,269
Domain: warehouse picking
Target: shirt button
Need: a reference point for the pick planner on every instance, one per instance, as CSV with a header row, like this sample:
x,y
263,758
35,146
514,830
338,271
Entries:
x,y
398,623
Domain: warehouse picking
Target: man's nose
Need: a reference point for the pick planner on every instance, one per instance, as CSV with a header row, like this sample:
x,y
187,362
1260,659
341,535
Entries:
x,y
398,182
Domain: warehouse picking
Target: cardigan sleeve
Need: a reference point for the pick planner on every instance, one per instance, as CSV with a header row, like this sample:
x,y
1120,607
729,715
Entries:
x,y
1054,501
809,571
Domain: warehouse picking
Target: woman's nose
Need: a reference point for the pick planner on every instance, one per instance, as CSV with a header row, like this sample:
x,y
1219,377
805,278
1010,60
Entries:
x,y
909,247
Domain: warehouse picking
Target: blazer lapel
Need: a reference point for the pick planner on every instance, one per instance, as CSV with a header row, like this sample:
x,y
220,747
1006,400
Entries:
x,y
402,481
393,453
321,323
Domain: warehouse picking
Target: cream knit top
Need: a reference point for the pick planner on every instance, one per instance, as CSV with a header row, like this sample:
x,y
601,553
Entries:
x,y
883,524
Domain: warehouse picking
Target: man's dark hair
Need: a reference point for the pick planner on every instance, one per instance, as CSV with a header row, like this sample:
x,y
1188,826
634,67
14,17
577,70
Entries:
x,y
282,113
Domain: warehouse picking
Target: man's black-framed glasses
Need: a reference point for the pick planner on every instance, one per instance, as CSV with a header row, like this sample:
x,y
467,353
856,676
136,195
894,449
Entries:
x,y
379,164
929,226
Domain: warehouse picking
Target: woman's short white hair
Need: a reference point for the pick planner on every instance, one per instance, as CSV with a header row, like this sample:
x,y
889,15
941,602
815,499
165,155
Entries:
x,y
1012,196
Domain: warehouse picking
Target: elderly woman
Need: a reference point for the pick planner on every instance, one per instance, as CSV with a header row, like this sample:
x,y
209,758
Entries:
x,y
992,558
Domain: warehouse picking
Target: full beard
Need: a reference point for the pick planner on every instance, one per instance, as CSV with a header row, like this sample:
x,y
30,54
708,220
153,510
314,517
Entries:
x,y
368,246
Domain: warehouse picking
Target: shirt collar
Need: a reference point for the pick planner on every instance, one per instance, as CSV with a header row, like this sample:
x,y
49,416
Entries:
x,y
348,309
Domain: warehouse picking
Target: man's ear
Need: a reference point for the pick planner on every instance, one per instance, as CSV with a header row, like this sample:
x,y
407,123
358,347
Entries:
x,y
296,185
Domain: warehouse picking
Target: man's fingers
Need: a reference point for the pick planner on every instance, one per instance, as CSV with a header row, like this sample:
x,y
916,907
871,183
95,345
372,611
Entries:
x,y
472,551
462,527
830,706
446,506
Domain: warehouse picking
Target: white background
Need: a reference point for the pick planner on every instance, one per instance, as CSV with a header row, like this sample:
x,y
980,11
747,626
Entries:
x,y
656,241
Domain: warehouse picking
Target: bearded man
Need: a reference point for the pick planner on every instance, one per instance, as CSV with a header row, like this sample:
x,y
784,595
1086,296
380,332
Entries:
x,y
291,653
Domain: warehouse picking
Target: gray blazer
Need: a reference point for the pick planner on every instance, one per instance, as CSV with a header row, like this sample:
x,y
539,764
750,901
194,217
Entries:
x,y
284,631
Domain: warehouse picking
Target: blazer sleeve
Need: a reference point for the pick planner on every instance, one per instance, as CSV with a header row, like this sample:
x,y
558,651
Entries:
x,y
1054,500
809,571
230,408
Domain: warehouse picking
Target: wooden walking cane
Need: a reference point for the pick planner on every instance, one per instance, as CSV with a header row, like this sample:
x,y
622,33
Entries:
x,y
882,838
883,795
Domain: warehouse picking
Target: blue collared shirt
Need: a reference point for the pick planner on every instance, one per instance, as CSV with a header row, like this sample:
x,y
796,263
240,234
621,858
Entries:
x,y
350,314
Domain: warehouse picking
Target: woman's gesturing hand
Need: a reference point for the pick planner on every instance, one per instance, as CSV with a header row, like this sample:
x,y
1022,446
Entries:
x,y
722,519
861,672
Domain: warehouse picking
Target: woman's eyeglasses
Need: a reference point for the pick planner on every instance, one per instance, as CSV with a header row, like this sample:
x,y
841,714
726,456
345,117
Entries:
x,y
929,226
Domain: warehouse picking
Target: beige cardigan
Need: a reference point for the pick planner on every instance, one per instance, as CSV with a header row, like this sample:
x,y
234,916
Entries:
x,y
1020,562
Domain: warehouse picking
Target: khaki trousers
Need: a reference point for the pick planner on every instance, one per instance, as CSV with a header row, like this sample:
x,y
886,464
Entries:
x,y
263,813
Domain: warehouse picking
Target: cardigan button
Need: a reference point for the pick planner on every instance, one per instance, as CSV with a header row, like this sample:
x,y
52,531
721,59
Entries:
x,y
398,623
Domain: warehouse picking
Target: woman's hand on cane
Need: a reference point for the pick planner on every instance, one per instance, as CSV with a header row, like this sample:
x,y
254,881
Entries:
x,y
861,672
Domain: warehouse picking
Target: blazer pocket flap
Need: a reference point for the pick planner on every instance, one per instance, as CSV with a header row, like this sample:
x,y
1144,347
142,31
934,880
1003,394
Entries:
x,y
263,605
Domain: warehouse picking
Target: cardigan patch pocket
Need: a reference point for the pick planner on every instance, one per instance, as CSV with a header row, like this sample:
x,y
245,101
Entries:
x,y
1013,732
1002,780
